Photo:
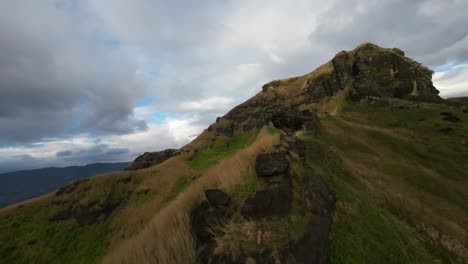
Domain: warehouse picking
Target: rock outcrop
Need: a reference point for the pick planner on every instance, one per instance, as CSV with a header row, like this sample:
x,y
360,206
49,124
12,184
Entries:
x,y
149,159
271,164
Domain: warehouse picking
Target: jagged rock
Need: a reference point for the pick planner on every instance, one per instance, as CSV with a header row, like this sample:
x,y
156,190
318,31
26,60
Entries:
x,y
226,130
149,159
293,144
272,201
386,73
287,119
217,197
271,164
311,122
312,246
204,217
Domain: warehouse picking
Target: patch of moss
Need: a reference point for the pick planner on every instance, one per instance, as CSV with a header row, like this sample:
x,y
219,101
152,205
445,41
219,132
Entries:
x,y
179,186
222,148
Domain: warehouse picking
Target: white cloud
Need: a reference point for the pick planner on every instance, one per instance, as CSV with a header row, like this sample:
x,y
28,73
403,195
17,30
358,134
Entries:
x,y
453,82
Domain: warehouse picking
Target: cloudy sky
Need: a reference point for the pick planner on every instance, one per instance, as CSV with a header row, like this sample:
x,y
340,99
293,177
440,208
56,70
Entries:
x,y
86,81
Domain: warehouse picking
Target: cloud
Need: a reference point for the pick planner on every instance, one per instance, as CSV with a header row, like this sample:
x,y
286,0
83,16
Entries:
x,y
452,83
83,149
73,73
431,31
57,78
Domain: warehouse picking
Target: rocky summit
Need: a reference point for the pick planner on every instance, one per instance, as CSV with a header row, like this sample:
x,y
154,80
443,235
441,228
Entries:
x,y
359,161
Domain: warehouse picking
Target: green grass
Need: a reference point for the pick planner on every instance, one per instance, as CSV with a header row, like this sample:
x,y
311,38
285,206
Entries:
x,y
273,130
388,150
179,187
223,148
64,241
61,242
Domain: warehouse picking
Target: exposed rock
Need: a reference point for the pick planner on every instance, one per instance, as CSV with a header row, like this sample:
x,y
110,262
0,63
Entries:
x,y
149,159
217,197
311,122
89,214
272,201
449,116
312,247
271,164
287,119
226,129
204,217
70,188
293,144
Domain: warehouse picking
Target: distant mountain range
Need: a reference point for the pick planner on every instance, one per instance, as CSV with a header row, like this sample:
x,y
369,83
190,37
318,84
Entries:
x,y
23,185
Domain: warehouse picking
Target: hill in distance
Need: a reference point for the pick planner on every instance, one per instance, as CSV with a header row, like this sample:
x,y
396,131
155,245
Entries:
x,y
359,161
19,186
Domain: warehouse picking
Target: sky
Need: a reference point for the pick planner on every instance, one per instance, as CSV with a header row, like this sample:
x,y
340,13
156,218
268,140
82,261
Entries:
x,y
106,80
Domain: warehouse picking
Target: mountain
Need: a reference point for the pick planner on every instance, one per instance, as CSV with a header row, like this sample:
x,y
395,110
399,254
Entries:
x,y
359,161
23,185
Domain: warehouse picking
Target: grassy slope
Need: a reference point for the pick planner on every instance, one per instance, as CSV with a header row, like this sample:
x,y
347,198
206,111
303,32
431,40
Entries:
x,y
401,184
27,235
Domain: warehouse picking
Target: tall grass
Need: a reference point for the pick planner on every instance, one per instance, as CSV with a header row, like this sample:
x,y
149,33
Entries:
x,y
167,238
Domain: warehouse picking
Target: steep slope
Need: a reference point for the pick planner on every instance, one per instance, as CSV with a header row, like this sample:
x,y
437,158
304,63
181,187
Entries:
x,y
357,162
22,185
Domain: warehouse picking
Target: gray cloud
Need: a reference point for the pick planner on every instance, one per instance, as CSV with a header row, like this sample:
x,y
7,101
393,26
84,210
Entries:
x,y
432,31
73,68
56,78
65,153
101,152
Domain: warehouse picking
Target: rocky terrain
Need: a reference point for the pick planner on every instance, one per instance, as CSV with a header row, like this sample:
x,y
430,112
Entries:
x,y
359,161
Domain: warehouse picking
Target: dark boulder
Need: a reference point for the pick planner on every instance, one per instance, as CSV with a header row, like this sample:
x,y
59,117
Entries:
x,y
149,159
272,201
311,123
204,218
217,197
287,119
271,164
293,144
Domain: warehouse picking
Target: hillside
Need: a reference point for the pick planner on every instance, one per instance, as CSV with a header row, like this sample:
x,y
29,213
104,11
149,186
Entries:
x,y
18,186
359,161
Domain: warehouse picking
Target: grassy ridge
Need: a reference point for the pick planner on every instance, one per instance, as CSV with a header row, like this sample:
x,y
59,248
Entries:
x,y
400,182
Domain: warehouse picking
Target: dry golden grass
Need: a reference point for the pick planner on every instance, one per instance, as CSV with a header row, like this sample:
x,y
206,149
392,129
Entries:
x,y
167,237
157,181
